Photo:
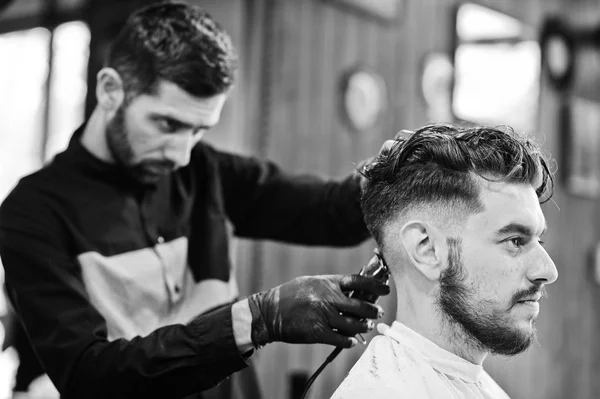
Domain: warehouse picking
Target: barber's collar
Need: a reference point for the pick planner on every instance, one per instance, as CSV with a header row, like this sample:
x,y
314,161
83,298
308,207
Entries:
x,y
440,359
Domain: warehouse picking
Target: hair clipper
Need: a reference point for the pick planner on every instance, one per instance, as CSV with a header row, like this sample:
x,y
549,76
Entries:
x,y
375,268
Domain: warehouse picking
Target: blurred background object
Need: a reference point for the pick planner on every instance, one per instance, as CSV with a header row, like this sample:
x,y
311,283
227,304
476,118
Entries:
x,y
437,75
497,69
571,57
483,61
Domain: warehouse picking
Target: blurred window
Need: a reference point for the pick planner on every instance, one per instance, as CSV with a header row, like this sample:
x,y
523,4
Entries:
x,y
497,65
27,138
68,84
23,75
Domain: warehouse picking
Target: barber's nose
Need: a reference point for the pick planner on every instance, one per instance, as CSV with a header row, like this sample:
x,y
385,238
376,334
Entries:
x,y
179,148
542,269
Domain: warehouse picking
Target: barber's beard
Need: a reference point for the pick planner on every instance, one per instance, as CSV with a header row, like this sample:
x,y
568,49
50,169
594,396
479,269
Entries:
x,y
480,324
117,138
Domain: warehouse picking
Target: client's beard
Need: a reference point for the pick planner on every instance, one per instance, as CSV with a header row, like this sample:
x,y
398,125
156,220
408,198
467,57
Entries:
x,y
481,323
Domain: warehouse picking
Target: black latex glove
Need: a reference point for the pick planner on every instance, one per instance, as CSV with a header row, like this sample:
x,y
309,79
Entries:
x,y
315,309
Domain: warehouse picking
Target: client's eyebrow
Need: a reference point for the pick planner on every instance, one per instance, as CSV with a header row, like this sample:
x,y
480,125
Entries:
x,y
520,229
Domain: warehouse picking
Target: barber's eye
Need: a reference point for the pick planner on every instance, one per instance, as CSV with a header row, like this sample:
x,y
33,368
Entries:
x,y
167,126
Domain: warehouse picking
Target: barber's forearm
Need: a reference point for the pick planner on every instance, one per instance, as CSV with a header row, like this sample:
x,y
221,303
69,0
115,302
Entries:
x,y
173,361
242,325
342,208
309,211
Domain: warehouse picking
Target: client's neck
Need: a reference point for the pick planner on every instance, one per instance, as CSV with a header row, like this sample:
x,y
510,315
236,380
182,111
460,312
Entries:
x,y
421,314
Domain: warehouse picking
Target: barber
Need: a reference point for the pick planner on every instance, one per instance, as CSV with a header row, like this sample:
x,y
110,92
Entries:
x,y
116,254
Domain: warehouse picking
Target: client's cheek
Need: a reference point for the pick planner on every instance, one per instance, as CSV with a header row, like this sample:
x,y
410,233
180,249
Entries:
x,y
485,287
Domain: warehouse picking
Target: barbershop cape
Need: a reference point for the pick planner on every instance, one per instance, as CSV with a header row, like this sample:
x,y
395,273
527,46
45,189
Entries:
x,y
401,363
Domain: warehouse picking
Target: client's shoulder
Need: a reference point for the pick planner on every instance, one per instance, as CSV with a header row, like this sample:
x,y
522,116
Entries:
x,y
387,368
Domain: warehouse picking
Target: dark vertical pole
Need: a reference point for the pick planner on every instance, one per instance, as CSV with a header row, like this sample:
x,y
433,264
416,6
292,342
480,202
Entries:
x,y
265,96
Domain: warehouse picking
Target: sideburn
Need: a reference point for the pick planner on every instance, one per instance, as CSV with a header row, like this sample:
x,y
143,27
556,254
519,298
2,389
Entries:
x,y
117,140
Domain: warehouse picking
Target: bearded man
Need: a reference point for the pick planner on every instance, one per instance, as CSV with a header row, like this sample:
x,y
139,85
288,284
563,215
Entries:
x,y
456,214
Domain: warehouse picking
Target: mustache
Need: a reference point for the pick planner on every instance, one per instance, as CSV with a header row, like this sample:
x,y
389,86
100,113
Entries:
x,y
534,290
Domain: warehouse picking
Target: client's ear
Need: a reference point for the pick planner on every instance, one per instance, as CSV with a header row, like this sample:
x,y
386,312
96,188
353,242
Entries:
x,y
425,247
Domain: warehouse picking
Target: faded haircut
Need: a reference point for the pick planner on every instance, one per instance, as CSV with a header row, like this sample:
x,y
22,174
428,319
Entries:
x,y
176,42
438,165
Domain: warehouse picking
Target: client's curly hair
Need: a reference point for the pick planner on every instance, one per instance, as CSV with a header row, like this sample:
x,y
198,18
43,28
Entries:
x,y
438,164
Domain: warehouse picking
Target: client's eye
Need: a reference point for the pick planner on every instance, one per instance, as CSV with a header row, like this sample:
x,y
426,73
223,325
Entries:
x,y
517,242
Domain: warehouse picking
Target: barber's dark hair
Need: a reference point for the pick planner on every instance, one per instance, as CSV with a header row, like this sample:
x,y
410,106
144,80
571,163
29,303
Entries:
x,y
437,164
176,42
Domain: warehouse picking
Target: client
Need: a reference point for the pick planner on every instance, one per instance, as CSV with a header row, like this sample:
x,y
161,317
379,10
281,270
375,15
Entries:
x,y
456,214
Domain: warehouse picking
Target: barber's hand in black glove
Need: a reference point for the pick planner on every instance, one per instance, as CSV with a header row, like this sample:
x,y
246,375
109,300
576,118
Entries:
x,y
314,309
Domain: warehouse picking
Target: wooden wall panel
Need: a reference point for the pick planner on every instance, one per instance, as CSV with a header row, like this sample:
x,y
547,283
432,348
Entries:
x,y
316,43
229,132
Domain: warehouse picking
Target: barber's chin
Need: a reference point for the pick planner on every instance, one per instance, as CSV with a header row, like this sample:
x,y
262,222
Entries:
x,y
148,177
